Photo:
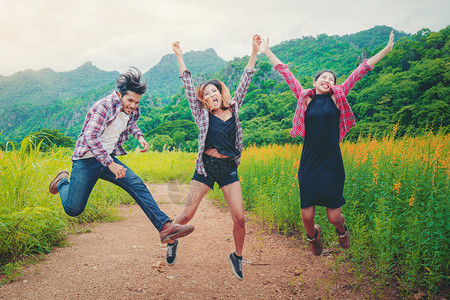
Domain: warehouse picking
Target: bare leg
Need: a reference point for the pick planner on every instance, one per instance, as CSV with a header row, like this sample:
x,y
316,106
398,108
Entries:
x,y
197,190
308,220
233,195
336,218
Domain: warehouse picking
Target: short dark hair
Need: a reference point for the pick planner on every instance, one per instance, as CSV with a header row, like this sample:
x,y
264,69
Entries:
x,y
131,81
324,71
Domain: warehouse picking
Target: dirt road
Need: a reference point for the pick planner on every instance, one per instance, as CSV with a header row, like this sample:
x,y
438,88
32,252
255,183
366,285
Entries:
x,y
125,260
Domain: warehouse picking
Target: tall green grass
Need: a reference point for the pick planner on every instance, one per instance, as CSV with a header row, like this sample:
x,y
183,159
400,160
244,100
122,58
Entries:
x,y
154,167
29,221
397,204
396,192
32,221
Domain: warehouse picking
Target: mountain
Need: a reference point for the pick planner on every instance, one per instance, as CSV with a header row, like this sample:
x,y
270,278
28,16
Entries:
x,y
45,86
409,87
31,100
372,38
163,79
67,115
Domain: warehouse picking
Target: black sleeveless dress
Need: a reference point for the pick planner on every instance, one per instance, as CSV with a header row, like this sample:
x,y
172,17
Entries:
x,y
321,175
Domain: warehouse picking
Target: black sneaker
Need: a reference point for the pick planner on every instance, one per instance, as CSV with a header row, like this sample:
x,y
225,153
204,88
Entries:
x,y
171,257
236,265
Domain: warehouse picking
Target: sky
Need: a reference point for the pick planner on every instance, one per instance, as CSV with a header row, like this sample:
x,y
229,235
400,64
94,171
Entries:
x,y
113,34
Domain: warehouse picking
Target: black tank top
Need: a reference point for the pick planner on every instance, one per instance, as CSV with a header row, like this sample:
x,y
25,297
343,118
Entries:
x,y
222,136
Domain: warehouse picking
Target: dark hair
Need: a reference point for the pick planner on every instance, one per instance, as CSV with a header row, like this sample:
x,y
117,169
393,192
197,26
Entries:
x,y
131,81
215,82
324,71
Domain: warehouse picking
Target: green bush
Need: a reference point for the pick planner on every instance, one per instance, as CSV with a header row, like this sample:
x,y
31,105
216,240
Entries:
x,y
161,143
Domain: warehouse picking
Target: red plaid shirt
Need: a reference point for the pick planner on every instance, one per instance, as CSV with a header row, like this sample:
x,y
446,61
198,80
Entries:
x,y
201,115
346,120
101,115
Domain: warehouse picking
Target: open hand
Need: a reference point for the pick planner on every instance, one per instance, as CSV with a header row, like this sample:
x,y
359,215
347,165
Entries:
x,y
390,44
264,46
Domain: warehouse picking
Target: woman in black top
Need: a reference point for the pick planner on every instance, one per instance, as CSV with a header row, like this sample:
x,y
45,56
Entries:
x,y
220,146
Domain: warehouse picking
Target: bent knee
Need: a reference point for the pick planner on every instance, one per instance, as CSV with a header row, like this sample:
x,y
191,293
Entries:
x,y
307,218
239,221
73,212
335,219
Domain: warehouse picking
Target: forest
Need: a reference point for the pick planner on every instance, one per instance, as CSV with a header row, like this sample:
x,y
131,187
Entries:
x,y
408,88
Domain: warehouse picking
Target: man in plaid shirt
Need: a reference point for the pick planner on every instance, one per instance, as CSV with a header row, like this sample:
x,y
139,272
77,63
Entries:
x,y
105,129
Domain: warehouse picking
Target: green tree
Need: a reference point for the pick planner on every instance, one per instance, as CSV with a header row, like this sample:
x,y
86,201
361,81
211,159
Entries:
x,y
409,87
51,138
161,143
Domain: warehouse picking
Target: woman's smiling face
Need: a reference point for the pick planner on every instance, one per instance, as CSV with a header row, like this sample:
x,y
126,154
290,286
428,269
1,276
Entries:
x,y
324,83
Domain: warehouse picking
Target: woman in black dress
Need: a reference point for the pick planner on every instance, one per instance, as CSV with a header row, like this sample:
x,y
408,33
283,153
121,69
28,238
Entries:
x,y
323,117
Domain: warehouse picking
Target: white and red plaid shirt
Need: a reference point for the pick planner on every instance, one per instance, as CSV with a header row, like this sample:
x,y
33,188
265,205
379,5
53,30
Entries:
x,y
201,115
101,115
346,120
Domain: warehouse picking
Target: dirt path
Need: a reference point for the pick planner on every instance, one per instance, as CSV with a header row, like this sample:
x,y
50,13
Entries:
x,y
125,260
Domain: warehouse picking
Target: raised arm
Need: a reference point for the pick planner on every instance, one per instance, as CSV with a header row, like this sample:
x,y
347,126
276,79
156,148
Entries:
x,y
266,50
290,79
179,54
247,76
377,57
188,84
366,66
256,44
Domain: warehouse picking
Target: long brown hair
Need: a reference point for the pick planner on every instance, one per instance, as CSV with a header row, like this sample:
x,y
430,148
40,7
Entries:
x,y
224,92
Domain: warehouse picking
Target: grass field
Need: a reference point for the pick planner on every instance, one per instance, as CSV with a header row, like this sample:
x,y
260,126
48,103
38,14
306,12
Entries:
x,y
396,192
397,204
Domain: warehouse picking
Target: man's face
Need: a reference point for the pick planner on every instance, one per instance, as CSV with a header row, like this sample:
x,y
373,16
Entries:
x,y
130,101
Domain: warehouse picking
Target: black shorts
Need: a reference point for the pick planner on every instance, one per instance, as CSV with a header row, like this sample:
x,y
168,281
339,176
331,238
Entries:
x,y
220,170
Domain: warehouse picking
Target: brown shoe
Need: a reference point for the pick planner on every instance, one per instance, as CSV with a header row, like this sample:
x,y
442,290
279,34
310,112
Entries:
x,y
315,244
344,239
53,188
171,231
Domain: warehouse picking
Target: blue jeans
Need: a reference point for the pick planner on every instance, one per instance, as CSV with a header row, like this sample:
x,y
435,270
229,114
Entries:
x,y
86,172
